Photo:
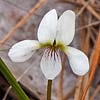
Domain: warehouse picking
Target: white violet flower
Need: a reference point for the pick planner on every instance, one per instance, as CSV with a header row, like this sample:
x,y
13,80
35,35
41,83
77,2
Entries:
x,y
54,34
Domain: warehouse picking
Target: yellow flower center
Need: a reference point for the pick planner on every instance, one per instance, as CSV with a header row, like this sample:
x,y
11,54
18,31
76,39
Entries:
x,y
54,46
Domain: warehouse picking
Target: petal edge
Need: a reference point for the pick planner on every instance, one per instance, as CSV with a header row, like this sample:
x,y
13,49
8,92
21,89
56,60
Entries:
x,y
66,27
78,61
23,50
50,64
47,27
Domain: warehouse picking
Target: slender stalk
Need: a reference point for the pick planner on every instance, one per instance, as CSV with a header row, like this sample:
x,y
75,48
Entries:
x,y
12,81
49,88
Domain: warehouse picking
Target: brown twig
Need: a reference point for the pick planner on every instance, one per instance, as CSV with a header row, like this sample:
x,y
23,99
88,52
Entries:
x,y
89,7
85,81
86,49
89,25
73,2
78,88
82,35
87,38
80,3
93,38
93,64
80,79
95,93
22,22
60,89
95,31
83,8
91,10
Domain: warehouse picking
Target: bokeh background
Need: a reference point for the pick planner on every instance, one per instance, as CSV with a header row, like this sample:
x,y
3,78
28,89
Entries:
x,y
32,80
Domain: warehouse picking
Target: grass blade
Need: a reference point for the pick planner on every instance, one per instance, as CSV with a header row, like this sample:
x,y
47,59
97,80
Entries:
x,y
12,81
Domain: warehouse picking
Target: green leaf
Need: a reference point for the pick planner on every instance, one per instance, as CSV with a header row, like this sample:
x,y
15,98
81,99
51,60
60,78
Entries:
x,y
12,81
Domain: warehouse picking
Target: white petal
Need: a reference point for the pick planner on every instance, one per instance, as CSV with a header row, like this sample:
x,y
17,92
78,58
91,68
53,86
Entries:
x,y
51,64
23,50
66,27
78,61
47,27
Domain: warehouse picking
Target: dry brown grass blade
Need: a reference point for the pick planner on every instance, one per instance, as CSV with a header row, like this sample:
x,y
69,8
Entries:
x,y
80,79
93,64
83,8
89,25
80,3
73,2
95,93
22,22
78,88
91,10
60,88
85,81
89,7
82,35
86,49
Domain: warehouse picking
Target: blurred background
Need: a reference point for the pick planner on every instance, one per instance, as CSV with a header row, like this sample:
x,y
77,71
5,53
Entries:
x,y
31,78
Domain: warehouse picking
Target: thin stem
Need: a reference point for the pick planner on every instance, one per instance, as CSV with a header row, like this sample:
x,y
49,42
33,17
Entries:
x,y
49,88
12,81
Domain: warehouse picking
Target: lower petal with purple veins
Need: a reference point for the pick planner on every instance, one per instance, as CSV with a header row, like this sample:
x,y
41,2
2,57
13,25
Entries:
x,y
51,63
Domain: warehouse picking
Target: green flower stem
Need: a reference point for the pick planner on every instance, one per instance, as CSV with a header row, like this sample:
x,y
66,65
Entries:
x,y
12,81
49,88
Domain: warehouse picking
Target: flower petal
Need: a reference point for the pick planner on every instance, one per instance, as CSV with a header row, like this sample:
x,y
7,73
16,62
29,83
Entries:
x,y
23,50
47,27
51,64
78,61
66,27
